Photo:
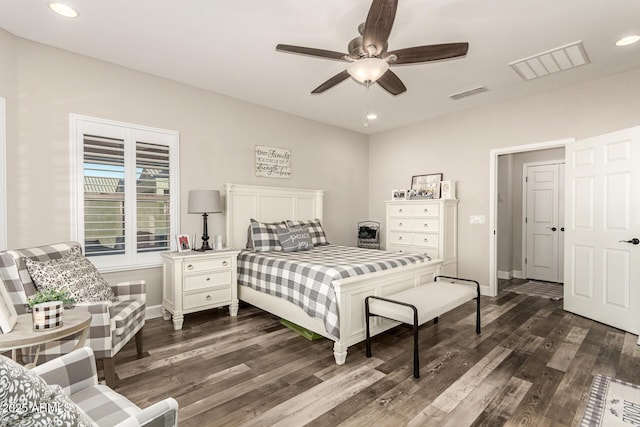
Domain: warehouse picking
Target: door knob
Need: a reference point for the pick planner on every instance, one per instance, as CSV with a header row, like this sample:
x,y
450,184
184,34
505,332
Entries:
x,y
552,228
634,241
561,228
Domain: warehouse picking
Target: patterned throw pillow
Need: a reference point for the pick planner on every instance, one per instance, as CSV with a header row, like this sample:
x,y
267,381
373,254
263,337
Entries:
x,y
318,237
26,400
265,236
74,273
295,239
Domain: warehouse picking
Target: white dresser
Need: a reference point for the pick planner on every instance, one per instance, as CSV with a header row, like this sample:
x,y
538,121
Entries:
x,y
195,281
426,227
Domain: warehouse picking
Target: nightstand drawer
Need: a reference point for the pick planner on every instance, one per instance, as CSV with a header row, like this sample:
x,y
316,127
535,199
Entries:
x,y
194,266
206,280
206,298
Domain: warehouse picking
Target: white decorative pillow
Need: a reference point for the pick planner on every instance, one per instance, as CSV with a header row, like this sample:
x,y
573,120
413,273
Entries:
x,y
27,400
73,273
264,236
295,239
318,237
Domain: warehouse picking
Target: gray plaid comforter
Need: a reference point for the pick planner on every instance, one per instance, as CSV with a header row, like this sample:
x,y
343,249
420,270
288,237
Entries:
x,y
305,278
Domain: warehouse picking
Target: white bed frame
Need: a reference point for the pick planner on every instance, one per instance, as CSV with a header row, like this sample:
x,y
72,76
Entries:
x,y
271,204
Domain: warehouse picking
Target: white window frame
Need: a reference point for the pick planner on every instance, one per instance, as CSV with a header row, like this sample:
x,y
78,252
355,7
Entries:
x,y
79,126
3,175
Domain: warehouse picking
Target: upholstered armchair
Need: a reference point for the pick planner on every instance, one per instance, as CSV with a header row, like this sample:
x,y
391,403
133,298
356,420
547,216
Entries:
x,y
113,324
65,391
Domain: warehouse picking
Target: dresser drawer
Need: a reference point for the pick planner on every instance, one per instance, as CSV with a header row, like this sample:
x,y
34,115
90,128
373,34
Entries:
x,y
400,224
194,266
200,299
396,237
427,224
426,210
400,210
426,239
206,280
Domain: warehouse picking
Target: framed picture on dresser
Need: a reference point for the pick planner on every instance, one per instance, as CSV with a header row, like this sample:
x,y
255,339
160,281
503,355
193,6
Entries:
x,y
426,186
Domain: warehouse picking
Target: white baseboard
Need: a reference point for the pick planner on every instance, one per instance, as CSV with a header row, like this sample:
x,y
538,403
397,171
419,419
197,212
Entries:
x,y
153,312
506,275
517,274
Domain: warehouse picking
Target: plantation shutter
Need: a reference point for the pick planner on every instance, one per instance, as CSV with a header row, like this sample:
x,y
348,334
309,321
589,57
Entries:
x,y
104,196
153,204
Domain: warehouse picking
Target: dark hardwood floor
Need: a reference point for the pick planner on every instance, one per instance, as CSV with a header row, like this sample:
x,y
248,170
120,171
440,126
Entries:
x,y
532,366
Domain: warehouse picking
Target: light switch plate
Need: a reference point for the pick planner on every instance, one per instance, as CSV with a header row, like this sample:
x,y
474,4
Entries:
x,y
477,219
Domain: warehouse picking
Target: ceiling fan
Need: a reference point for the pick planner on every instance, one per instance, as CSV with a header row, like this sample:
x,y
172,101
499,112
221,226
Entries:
x,y
368,53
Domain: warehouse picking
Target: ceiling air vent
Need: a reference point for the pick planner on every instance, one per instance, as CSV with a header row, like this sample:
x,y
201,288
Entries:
x,y
466,93
552,61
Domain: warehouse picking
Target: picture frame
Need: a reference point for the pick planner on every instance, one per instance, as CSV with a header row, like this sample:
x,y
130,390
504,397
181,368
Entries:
x,y
398,194
448,189
183,242
426,186
8,314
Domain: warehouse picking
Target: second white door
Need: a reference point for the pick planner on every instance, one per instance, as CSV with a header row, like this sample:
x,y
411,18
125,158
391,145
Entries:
x,y
544,222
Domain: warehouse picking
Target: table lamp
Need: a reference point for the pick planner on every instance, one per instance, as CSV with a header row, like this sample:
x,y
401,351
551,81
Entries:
x,y
204,202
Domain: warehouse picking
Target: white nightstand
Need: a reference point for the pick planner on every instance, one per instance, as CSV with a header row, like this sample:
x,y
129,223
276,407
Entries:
x,y
196,281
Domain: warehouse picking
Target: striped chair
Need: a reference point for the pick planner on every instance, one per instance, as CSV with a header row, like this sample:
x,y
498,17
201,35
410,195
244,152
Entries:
x,y
76,374
113,325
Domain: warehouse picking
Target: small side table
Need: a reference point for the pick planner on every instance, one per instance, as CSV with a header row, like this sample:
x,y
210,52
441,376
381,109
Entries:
x,y
22,335
195,281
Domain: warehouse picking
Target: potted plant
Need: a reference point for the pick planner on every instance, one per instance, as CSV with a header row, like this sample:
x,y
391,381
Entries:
x,y
47,308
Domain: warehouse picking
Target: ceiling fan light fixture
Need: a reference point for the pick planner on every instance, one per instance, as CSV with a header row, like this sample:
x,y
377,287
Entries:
x,y
368,70
372,116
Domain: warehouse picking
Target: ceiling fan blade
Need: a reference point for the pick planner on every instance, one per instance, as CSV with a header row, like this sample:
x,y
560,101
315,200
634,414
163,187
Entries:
x,y
391,83
332,82
318,53
427,53
378,25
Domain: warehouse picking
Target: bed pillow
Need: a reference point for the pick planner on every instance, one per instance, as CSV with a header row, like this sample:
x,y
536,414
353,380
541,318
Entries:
x,y
295,239
264,236
318,237
73,273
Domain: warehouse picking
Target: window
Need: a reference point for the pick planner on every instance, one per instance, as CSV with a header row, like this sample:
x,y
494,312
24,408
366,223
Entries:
x,y
125,192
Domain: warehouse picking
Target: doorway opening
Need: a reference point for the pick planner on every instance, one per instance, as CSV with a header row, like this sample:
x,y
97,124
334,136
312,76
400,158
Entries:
x,y
506,205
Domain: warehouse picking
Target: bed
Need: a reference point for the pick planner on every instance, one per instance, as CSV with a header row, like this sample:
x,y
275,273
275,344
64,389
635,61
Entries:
x,y
273,204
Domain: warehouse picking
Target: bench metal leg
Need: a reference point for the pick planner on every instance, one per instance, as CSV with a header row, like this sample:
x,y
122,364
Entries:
x,y
368,337
478,316
416,358
435,320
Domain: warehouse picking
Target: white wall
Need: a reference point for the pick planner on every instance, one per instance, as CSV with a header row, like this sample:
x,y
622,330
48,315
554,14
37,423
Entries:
x,y
217,138
458,145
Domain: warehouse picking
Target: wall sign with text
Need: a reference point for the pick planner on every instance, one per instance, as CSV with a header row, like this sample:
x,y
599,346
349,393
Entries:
x,y
273,162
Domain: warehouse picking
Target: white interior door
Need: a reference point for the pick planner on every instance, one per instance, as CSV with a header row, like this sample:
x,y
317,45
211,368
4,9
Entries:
x,y
543,222
602,272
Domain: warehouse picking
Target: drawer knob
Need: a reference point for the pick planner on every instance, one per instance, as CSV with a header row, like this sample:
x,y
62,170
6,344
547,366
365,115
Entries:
x,y
400,238
400,225
209,278
190,267
426,240
426,225
225,263
208,297
399,210
426,211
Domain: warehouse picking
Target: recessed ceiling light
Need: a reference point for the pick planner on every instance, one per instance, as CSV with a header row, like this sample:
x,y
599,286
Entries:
x,y
625,41
63,9
372,116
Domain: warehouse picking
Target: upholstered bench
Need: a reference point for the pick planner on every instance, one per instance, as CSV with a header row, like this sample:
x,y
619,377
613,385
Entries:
x,y
416,306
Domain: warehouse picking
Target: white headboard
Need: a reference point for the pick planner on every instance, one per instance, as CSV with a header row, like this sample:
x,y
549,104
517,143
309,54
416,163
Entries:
x,y
267,204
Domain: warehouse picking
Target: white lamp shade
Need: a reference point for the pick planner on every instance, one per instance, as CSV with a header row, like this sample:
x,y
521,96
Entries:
x,y
368,70
204,201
